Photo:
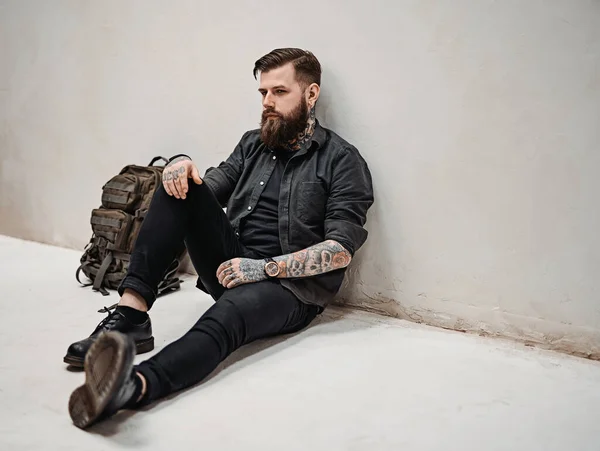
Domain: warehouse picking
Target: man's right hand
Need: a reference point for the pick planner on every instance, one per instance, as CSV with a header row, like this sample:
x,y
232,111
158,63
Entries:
x,y
176,174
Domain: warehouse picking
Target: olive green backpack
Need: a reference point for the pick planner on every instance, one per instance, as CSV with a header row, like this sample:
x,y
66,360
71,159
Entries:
x,y
115,226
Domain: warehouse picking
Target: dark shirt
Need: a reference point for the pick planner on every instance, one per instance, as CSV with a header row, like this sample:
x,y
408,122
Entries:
x,y
259,231
325,192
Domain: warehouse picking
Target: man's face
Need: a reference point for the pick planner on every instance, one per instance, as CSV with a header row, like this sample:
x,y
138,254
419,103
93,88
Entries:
x,y
285,109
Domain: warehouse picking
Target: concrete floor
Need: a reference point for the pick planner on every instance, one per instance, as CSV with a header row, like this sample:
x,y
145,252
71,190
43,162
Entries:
x,y
352,381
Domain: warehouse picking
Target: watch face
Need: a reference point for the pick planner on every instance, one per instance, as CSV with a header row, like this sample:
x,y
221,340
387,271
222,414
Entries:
x,y
272,269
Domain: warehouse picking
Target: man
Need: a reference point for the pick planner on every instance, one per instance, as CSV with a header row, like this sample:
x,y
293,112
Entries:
x,y
297,196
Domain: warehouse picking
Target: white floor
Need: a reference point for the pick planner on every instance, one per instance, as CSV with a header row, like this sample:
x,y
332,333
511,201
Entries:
x,y
351,382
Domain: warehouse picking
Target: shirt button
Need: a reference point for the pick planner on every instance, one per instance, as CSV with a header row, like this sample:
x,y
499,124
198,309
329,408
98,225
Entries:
x,y
262,183
274,157
249,207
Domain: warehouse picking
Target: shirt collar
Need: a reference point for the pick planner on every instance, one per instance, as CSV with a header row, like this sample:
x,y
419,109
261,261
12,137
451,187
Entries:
x,y
319,136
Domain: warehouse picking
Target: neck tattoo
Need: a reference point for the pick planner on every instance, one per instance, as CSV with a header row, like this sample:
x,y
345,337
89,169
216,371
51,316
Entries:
x,y
305,136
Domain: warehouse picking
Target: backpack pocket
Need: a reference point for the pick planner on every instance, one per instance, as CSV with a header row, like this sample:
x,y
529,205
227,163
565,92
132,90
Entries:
x,y
122,192
114,226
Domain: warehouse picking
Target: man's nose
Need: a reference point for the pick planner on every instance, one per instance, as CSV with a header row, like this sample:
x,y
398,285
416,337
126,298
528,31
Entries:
x,y
268,101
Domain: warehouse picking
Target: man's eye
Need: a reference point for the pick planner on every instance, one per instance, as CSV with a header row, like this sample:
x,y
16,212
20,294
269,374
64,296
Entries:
x,y
280,91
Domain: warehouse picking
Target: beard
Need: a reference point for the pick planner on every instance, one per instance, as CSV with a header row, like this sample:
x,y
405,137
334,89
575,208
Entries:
x,y
280,131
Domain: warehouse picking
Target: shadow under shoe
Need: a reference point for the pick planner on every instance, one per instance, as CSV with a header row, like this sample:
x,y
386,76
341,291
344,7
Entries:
x,y
109,380
114,321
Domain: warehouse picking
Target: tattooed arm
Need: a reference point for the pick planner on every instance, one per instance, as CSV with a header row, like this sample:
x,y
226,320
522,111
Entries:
x,y
312,261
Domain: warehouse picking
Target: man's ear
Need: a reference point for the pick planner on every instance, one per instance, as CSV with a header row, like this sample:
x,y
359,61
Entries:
x,y
312,94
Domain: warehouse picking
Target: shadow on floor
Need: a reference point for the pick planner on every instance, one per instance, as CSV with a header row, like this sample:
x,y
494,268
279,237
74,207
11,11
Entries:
x,y
244,356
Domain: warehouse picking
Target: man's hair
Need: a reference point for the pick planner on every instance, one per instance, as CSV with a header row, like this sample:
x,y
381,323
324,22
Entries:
x,y
307,66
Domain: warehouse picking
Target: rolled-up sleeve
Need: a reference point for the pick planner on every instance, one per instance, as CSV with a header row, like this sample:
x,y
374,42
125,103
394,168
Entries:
x,y
223,179
350,196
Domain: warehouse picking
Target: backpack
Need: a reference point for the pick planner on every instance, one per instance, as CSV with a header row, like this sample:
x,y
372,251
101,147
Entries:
x,y
115,226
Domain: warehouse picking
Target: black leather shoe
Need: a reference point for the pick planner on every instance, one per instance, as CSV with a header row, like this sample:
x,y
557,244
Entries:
x,y
109,380
140,333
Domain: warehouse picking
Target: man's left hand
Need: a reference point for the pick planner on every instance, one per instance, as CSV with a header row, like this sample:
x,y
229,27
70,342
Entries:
x,y
239,271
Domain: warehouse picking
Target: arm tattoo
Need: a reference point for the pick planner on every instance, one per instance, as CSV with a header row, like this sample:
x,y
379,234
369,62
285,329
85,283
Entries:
x,y
318,259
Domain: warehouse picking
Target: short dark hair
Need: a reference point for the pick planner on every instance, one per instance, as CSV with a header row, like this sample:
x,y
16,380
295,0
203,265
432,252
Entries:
x,y
307,66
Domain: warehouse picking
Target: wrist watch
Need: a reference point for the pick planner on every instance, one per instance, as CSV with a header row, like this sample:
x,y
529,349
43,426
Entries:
x,y
272,269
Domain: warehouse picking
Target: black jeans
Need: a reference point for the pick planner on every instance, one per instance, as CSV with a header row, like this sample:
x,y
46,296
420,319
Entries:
x,y
239,316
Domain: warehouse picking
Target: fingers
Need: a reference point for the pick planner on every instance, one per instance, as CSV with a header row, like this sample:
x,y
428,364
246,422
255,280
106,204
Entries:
x,y
229,274
196,175
226,276
175,178
183,180
167,187
165,179
229,281
179,187
172,189
222,267
175,181
234,282
168,183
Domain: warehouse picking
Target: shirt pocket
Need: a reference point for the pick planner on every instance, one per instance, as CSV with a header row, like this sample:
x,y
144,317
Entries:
x,y
310,203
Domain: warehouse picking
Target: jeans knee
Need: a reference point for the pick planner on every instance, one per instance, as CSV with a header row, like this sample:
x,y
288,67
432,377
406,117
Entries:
x,y
225,324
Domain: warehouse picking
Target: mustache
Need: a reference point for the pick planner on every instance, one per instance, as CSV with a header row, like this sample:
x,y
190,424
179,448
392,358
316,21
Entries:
x,y
270,112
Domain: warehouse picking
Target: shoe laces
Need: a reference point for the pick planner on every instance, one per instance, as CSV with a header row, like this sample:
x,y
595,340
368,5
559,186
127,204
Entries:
x,y
110,319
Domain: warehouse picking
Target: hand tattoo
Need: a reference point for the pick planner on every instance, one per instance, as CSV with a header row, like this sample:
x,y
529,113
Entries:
x,y
318,259
252,270
172,175
239,271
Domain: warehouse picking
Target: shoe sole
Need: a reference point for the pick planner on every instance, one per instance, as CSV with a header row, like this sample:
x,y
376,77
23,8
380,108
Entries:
x,y
141,347
102,381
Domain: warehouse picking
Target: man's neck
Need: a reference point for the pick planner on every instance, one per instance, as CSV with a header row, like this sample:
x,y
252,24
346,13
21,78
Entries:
x,y
304,137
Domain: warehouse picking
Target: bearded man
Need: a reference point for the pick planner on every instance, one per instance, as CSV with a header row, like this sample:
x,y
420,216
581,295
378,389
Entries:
x,y
296,196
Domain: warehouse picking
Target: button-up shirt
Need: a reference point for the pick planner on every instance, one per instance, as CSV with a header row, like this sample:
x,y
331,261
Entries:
x,y
326,190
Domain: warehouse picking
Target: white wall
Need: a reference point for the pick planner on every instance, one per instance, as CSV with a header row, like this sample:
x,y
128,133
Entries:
x,y
480,121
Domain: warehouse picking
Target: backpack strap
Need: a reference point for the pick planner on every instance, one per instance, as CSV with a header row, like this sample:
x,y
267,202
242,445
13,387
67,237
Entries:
x,y
140,214
83,265
168,285
97,285
169,282
155,159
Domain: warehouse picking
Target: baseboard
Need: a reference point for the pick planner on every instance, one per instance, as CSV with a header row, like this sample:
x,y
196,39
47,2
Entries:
x,y
567,338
